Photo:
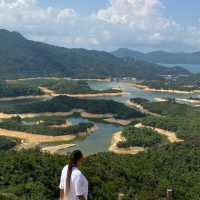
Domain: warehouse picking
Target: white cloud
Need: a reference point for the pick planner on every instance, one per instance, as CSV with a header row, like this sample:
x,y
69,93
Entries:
x,y
122,23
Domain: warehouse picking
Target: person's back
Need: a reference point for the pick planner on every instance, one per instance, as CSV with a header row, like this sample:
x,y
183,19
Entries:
x,y
73,184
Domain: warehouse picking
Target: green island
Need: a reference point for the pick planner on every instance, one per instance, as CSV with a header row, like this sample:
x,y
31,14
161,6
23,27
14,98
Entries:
x,y
16,90
66,104
65,86
143,137
31,87
180,118
46,127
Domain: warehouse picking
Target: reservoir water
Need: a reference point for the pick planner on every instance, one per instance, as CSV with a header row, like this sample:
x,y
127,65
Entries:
x,y
100,140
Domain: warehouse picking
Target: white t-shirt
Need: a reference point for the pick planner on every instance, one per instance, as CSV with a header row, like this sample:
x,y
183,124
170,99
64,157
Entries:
x,y
78,184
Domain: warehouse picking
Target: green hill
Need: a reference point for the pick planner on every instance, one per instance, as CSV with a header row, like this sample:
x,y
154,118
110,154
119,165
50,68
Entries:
x,y
160,56
20,57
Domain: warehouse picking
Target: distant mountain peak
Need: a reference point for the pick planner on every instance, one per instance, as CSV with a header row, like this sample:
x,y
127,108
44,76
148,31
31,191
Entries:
x,y
160,56
20,57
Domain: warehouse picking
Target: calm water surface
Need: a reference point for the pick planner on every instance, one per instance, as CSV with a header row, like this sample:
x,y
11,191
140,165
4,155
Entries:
x,y
98,141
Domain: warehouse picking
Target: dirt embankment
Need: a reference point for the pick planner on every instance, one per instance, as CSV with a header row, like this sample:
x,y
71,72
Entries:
x,y
117,137
47,91
171,136
58,78
121,122
29,140
107,117
141,108
148,89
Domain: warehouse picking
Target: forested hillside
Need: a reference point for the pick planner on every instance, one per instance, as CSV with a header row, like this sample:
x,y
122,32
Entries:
x,y
20,57
32,175
160,56
65,104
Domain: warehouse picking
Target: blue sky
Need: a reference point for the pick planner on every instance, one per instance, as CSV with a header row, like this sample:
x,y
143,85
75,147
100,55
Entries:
x,y
84,7
107,24
184,11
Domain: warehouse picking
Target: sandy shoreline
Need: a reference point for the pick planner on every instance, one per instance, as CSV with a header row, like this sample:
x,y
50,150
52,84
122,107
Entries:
x,y
171,136
30,140
23,98
51,93
148,89
116,138
107,117
121,122
47,91
58,78
141,108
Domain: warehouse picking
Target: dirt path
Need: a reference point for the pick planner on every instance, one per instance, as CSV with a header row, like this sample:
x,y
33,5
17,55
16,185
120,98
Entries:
x,y
117,137
141,108
54,149
170,135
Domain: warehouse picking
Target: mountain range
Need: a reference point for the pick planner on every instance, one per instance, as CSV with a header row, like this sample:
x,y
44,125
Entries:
x,y
20,57
160,56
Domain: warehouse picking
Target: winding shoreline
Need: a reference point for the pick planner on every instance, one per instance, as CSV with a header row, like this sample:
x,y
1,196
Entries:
x,y
59,78
54,149
51,93
30,140
141,108
116,138
109,118
148,89
171,136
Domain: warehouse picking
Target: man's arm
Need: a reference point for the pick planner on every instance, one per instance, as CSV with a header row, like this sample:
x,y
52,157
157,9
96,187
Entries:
x,y
61,194
81,197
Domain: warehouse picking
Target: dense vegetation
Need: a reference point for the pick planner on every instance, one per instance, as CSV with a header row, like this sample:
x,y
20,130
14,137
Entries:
x,y
65,104
7,143
172,109
180,118
139,100
44,128
187,83
14,90
31,175
160,56
20,57
62,86
139,137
